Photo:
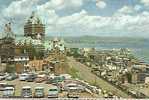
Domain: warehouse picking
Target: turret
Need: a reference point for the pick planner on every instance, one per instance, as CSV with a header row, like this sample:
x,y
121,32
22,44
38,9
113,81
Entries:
x,y
34,27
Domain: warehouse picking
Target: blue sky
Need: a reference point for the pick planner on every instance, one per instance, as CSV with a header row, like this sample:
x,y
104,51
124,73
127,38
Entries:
x,y
80,17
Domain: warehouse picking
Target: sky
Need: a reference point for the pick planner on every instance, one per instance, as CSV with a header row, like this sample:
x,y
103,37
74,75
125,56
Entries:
x,y
80,17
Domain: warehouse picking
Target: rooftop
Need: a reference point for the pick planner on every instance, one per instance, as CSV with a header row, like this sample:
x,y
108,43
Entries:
x,y
34,19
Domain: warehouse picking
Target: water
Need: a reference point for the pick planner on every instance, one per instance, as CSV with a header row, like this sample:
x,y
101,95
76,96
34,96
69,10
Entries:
x,y
139,49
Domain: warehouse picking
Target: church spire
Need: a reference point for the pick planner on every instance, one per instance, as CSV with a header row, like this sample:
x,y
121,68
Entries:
x,y
8,30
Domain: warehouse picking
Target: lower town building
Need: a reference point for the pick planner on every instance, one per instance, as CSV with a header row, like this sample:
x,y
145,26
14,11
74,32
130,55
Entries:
x,y
2,66
139,77
7,44
21,62
36,65
7,49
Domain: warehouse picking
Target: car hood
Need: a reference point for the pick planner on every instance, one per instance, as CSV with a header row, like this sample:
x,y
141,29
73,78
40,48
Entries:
x,y
53,92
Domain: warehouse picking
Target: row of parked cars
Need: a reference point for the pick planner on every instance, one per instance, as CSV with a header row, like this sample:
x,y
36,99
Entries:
x,y
73,90
34,77
39,92
62,82
53,92
8,76
26,92
42,77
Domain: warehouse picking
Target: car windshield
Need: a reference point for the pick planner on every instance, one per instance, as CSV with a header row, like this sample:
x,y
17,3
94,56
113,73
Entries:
x,y
39,90
72,86
72,90
23,75
9,89
26,89
1,85
53,90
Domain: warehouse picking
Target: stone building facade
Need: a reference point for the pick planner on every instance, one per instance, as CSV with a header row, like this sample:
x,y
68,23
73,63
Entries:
x,y
34,27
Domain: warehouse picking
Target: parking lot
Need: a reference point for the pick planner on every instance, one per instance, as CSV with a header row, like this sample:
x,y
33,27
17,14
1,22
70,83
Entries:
x,y
19,84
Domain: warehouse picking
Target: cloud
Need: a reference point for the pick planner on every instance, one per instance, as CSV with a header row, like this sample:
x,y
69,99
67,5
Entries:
x,y
63,4
82,23
25,7
124,24
100,4
126,10
145,2
125,21
19,8
129,9
137,7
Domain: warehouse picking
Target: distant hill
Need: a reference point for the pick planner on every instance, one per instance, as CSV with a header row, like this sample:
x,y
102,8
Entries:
x,y
98,39
95,39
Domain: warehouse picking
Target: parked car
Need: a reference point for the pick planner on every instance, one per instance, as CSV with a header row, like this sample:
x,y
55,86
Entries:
x,y
3,76
74,86
2,86
55,80
59,78
23,76
26,92
70,86
8,92
43,73
53,92
31,77
66,76
39,92
11,76
72,93
40,78
52,81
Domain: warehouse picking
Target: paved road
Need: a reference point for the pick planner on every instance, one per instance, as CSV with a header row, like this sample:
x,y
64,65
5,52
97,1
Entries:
x,y
85,74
